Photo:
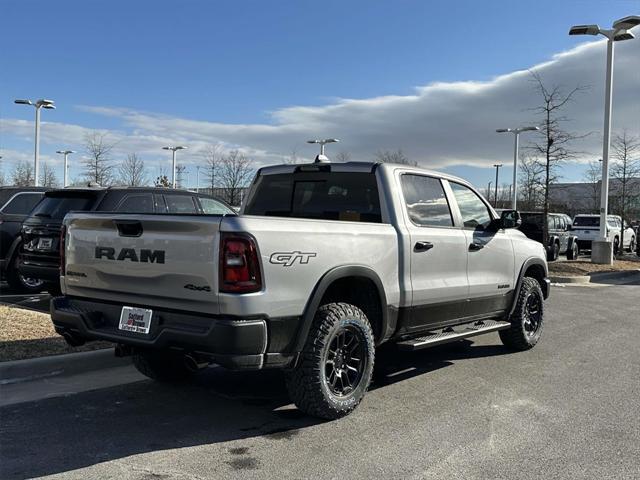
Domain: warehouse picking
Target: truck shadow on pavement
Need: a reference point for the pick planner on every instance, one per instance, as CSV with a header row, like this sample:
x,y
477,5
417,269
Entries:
x,y
67,433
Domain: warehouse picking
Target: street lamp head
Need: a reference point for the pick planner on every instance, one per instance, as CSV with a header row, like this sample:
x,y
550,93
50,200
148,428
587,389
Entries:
x,y
180,147
22,102
65,152
529,129
627,23
503,130
330,140
313,141
166,148
584,30
624,35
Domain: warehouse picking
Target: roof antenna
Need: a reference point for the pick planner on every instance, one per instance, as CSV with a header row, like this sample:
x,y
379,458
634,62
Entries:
x,y
322,158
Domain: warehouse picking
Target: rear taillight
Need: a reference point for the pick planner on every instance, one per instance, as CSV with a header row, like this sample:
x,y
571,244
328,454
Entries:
x,y
239,264
63,234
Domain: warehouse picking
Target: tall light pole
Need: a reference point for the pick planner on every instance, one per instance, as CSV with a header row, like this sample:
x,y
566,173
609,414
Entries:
x,y
602,248
38,104
173,162
197,178
66,164
497,166
516,132
322,158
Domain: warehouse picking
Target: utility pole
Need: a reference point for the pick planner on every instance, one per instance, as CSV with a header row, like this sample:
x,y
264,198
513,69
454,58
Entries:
x,y
497,167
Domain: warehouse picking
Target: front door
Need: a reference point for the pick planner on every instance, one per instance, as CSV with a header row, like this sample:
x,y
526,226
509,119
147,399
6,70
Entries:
x,y
438,255
490,265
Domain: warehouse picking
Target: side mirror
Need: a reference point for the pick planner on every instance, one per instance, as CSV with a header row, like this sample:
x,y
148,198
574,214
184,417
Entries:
x,y
510,219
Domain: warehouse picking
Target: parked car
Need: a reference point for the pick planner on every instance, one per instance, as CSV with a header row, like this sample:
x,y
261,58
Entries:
x,y
325,262
587,227
40,255
562,241
15,205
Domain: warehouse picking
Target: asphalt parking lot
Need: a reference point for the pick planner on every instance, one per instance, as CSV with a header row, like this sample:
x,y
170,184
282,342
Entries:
x,y
566,409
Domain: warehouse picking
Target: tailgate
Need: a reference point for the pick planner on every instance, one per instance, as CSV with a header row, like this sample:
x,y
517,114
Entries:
x,y
168,261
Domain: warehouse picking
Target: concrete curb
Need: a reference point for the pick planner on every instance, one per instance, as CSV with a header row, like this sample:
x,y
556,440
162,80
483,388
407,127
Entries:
x,y
17,371
594,277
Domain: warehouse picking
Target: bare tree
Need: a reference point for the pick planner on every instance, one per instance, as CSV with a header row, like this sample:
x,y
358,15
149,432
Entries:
x,y
2,179
212,155
343,156
592,177
531,182
132,172
97,163
625,150
181,171
22,174
293,157
235,174
49,177
162,181
554,146
396,156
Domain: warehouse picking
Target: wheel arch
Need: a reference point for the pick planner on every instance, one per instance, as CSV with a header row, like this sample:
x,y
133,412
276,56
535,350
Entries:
x,y
535,268
370,297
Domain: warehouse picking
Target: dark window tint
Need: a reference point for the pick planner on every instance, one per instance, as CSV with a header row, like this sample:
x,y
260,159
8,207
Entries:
x,y
140,203
213,207
587,221
180,204
346,196
531,221
426,201
57,207
22,203
475,213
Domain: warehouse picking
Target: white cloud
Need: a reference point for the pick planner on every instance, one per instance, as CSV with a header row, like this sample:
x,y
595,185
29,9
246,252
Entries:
x,y
439,125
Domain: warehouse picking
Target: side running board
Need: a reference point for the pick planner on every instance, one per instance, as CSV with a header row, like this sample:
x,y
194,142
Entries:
x,y
449,334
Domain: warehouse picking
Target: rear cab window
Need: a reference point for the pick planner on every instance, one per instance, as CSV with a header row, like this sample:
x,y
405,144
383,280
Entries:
x,y
181,204
137,203
586,221
214,207
343,196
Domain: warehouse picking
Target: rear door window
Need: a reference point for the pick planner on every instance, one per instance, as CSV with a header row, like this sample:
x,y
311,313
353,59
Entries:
x,y
137,203
426,201
214,207
180,204
22,203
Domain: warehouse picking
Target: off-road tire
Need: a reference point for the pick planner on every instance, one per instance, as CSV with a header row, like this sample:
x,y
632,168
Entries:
x,y
554,252
307,383
573,252
15,280
517,337
162,366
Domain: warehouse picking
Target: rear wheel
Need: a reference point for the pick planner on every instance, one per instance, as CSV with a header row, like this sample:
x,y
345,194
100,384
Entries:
x,y
19,282
336,364
162,365
527,319
573,252
554,252
616,246
632,245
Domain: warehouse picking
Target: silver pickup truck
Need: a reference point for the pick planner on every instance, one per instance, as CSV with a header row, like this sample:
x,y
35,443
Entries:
x,y
325,262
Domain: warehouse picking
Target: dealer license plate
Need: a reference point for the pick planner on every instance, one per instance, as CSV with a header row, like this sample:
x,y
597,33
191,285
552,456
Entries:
x,y
136,320
45,243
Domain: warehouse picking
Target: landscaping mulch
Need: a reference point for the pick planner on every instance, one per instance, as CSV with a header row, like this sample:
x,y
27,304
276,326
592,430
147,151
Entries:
x,y
29,334
585,267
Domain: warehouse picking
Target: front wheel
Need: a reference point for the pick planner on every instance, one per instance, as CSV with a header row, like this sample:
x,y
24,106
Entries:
x,y
527,319
336,364
632,245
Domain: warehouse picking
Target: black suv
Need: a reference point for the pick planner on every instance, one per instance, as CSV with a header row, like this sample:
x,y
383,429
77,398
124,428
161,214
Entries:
x,y
15,205
561,239
40,256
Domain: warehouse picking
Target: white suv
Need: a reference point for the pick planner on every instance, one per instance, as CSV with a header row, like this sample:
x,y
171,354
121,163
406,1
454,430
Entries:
x,y
587,226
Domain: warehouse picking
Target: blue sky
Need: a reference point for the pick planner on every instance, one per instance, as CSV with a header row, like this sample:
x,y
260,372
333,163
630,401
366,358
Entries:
x,y
237,62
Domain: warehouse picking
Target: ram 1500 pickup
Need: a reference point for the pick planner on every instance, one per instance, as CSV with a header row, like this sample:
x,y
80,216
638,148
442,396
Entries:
x,y
324,263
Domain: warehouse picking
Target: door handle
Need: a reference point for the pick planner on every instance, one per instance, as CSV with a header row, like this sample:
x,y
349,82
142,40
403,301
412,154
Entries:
x,y
422,246
474,247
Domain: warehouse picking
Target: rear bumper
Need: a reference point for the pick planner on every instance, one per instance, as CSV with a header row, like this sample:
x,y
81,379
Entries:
x,y
230,342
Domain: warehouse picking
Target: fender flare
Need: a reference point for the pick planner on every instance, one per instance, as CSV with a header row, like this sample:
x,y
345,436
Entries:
x,y
525,266
14,249
389,314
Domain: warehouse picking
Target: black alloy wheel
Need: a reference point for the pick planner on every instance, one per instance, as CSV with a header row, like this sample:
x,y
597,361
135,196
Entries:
x,y
345,361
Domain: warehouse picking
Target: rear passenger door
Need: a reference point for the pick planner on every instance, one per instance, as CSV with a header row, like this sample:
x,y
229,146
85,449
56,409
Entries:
x,y
438,254
490,267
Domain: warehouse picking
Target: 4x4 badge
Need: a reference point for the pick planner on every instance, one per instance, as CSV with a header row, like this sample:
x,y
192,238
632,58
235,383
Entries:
x,y
287,259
